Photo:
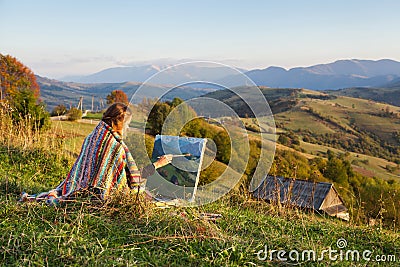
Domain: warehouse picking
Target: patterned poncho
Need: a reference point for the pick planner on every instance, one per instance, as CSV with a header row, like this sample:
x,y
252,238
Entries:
x,y
104,164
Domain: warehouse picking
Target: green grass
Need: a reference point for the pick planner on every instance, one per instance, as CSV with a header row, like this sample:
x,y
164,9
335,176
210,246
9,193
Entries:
x,y
70,135
294,120
365,114
137,118
382,127
93,116
124,232
119,234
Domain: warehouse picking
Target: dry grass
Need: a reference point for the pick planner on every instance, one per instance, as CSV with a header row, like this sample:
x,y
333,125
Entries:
x,y
25,135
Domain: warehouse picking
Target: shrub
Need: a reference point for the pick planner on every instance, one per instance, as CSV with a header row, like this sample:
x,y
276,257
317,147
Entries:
x,y
252,127
59,110
283,139
74,114
24,108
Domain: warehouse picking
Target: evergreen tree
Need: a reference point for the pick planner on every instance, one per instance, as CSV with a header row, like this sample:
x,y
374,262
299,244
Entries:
x,y
157,117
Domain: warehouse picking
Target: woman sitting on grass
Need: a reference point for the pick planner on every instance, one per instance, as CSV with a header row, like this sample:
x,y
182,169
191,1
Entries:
x,y
104,164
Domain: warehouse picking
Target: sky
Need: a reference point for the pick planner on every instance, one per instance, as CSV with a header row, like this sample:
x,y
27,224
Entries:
x,y
62,38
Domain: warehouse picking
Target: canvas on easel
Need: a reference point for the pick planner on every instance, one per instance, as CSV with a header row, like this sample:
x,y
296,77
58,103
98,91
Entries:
x,y
178,180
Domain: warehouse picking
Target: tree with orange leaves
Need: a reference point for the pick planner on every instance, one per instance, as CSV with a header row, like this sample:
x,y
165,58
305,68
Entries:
x,y
15,77
117,96
18,87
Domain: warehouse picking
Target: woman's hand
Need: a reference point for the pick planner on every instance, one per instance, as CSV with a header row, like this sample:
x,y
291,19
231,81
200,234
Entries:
x,y
163,160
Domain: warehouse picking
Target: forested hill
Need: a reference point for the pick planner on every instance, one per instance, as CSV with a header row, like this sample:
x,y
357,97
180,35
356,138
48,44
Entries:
x,y
390,94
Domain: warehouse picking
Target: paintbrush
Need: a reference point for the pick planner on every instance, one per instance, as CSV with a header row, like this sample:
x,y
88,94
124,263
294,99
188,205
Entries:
x,y
180,155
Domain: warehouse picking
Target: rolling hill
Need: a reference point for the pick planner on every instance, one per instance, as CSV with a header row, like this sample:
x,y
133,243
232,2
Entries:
x,y
322,121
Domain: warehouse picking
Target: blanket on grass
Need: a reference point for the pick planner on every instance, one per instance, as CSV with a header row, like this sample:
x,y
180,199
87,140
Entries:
x,y
103,165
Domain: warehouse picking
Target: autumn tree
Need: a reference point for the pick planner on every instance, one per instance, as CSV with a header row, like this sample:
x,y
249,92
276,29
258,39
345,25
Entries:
x,y
14,77
19,88
117,96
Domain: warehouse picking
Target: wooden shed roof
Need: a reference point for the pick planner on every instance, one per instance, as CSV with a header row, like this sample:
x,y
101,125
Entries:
x,y
301,193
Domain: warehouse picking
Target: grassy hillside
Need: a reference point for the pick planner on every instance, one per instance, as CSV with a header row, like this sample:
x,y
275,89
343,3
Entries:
x,y
124,232
324,121
350,124
352,143
385,95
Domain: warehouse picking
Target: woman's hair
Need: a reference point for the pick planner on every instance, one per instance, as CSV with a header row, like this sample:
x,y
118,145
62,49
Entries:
x,y
115,115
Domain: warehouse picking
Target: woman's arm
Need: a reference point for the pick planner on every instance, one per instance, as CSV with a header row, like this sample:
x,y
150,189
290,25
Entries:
x,y
150,169
163,160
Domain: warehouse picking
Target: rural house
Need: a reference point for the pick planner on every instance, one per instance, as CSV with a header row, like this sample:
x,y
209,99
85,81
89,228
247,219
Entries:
x,y
319,196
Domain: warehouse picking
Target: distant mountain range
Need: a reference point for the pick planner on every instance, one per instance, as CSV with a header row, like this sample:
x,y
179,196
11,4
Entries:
x,y
393,84
375,80
171,74
336,75
54,92
117,75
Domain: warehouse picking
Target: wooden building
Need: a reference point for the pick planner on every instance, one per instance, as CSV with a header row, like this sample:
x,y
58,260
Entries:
x,y
319,196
